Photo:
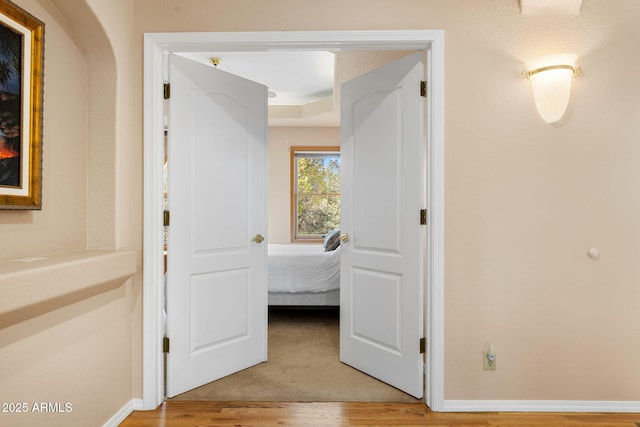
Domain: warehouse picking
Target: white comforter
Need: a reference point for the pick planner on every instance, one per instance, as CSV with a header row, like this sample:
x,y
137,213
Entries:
x,y
302,268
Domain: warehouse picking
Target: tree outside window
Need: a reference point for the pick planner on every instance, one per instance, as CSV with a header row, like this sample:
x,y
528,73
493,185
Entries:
x,y
315,192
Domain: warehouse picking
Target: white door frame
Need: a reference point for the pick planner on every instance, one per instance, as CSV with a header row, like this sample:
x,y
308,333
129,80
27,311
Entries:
x,y
157,45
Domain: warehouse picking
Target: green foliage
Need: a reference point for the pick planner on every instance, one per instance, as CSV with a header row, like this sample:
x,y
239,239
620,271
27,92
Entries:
x,y
318,195
317,215
10,59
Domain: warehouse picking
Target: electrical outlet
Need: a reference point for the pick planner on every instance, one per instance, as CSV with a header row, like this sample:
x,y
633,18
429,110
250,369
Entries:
x,y
489,359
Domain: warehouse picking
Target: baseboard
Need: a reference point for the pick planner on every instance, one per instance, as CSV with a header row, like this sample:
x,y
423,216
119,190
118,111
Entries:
x,y
540,406
124,412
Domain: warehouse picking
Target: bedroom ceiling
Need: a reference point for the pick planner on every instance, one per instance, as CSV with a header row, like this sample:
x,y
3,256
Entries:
x,y
306,83
300,83
296,78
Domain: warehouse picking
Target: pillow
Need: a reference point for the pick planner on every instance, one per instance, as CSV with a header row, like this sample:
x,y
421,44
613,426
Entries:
x,y
332,241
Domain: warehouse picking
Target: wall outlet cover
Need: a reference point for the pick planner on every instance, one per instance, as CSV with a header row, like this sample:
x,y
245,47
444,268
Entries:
x,y
488,365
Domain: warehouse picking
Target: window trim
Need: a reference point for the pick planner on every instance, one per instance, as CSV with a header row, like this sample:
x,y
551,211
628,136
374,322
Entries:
x,y
292,186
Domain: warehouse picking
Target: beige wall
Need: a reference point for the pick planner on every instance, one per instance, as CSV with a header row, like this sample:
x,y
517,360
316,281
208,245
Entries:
x,y
280,140
524,200
86,353
61,224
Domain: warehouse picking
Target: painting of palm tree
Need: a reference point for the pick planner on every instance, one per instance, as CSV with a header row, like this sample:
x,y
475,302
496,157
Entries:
x,y
21,107
10,113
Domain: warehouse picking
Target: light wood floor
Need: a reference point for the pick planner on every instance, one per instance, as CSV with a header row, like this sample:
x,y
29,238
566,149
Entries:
x,y
209,414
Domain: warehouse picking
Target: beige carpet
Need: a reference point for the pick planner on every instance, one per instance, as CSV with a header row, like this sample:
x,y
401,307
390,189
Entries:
x,y
303,366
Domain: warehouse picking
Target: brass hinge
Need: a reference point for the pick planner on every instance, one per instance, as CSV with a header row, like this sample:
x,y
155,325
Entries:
x,y
423,88
423,345
423,217
166,218
167,90
165,345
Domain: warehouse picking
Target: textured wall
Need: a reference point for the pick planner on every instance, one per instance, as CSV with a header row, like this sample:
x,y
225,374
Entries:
x,y
524,200
81,358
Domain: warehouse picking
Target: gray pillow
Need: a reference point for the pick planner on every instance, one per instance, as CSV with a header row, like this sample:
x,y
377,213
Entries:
x,y
332,241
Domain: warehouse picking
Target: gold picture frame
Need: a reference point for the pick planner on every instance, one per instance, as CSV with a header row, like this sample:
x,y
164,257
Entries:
x,y
21,93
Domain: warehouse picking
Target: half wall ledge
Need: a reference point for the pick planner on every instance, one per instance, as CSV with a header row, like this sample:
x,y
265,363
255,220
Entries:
x,y
33,286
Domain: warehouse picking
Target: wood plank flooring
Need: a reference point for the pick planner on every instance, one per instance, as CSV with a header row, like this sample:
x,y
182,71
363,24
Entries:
x,y
223,414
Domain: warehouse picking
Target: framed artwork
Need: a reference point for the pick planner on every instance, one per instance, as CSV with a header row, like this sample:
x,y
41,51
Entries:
x,y
21,92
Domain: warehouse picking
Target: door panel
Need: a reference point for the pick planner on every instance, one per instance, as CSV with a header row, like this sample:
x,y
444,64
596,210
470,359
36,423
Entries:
x,y
383,190
207,309
215,164
373,288
366,230
216,274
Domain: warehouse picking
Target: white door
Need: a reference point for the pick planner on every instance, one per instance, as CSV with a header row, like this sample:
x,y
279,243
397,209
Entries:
x,y
382,193
216,275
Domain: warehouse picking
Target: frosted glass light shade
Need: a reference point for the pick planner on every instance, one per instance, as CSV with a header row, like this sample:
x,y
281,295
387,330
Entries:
x,y
551,82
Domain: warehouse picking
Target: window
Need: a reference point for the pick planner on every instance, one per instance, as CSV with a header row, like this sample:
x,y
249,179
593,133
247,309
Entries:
x,y
315,192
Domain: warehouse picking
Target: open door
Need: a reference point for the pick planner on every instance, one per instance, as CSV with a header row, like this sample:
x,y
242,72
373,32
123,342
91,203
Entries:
x,y
382,193
216,272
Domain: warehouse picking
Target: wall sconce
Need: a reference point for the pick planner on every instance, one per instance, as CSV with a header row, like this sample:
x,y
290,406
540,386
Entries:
x,y
551,81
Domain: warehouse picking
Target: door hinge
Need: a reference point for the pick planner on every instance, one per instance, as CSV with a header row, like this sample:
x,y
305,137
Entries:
x,y
423,88
167,90
165,345
423,217
166,218
423,345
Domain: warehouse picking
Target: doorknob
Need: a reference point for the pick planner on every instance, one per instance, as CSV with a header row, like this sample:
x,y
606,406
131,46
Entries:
x,y
344,237
258,239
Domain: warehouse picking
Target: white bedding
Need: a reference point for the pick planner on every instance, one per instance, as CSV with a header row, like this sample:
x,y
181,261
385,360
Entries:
x,y
302,268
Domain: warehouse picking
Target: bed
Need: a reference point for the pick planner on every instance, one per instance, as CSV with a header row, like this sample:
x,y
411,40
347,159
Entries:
x,y
303,275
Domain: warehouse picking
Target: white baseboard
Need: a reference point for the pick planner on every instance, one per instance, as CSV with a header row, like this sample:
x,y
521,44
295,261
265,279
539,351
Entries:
x,y
124,412
540,406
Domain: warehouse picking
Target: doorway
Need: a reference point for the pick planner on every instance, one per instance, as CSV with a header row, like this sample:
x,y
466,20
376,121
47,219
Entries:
x,y
158,45
303,366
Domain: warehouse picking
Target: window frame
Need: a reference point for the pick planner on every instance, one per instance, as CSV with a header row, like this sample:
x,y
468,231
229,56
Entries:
x,y
292,188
